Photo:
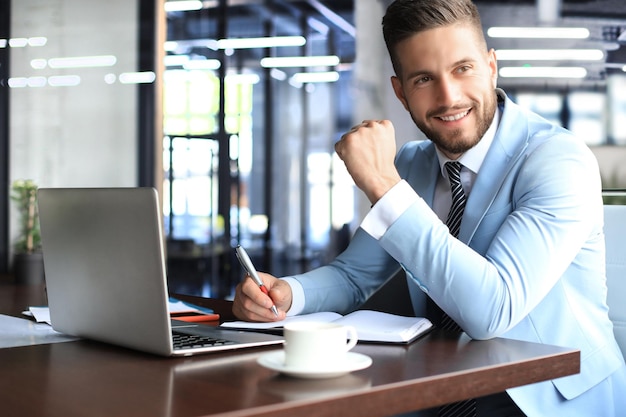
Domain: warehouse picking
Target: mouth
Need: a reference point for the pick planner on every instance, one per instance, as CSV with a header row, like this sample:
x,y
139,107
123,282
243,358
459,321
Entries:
x,y
454,117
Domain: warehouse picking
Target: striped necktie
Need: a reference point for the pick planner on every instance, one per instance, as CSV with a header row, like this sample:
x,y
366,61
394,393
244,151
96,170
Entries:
x,y
454,222
465,408
458,198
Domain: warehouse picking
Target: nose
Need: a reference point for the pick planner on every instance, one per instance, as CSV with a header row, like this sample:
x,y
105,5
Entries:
x,y
449,91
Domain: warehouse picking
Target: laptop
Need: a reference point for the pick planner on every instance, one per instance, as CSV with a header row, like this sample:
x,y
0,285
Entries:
x,y
105,271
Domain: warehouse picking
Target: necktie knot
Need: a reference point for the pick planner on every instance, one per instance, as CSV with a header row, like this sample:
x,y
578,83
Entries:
x,y
454,171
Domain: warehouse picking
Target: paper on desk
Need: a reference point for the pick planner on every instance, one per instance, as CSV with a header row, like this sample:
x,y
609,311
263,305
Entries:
x,y
15,332
371,326
324,316
42,314
178,306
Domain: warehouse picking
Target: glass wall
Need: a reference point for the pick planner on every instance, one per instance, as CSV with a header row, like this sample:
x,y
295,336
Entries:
x,y
73,92
248,152
78,115
594,116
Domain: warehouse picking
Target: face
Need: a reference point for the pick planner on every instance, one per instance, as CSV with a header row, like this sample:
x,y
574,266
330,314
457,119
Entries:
x,y
447,83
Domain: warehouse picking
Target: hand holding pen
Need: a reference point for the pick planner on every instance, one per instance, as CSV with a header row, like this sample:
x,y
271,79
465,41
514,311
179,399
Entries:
x,y
245,261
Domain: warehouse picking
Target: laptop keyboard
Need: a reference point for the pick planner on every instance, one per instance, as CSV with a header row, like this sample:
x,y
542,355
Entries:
x,y
189,341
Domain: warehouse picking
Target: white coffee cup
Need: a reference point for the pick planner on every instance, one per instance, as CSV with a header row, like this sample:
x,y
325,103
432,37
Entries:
x,y
315,346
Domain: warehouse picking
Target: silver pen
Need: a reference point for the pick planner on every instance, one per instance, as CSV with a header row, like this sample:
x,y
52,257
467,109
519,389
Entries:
x,y
245,261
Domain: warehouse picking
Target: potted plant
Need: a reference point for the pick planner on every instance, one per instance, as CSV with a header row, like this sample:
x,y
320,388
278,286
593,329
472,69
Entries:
x,y
28,257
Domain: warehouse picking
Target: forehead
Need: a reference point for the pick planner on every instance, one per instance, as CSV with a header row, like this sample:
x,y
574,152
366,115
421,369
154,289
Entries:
x,y
439,46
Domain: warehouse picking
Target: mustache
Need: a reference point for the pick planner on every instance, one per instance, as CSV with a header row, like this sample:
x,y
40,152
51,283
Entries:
x,y
443,110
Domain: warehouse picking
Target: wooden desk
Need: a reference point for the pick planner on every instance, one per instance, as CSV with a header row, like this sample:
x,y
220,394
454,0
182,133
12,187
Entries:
x,y
92,379
16,298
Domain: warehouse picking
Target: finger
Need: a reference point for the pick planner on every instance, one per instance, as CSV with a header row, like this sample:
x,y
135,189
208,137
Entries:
x,y
364,123
257,301
237,307
345,138
356,127
339,148
254,293
246,308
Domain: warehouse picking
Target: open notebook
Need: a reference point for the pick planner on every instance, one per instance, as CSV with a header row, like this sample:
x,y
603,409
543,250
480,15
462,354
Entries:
x,y
371,326
106,276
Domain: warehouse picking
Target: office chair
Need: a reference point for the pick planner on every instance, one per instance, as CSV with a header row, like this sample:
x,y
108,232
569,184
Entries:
x,y
615,238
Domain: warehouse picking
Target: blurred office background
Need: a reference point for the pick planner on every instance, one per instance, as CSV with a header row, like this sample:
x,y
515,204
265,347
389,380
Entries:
x,y
211,103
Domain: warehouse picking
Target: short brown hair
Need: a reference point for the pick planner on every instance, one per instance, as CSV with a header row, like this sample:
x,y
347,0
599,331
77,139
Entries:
x,y
405,18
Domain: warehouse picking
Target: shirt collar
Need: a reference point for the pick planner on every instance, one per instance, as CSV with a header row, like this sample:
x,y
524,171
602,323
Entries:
x,y
473,158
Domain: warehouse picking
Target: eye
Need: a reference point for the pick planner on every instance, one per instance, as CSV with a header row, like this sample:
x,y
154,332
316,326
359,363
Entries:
x,y
463,68
423,79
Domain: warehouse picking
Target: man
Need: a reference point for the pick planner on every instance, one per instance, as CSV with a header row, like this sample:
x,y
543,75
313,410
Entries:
x,y
528,262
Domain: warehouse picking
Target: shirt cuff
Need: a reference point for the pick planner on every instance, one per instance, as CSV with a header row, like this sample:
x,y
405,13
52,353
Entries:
x,y
297,296
387,210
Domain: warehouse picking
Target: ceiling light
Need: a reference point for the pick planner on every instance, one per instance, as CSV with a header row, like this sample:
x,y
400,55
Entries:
x,y
37,41
234,43
538,32
278,74
549,54
39,63
264,42
83,61
170,46
300,61
18,42
110,78
145,77
22,42
18,82
182,5
37,81
175,60
202,64
64,80
543,72
315,77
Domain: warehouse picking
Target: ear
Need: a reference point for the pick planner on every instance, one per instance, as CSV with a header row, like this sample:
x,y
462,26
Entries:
x,y
493,66
397,89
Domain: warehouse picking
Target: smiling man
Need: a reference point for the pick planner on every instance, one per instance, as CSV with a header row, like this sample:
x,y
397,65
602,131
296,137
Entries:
x,y
496,219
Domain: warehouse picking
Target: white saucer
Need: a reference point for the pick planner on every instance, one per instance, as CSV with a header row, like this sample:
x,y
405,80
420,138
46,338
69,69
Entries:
x,y
276,361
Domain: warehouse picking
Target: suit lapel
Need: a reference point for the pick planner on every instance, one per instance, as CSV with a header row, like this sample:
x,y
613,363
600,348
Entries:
x,y
500,159
508,145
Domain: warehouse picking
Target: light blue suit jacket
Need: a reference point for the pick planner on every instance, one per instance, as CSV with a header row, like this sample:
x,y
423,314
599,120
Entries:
x,y
528,263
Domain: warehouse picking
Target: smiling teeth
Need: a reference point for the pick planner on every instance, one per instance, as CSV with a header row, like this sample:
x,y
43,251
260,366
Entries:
x,y
455,117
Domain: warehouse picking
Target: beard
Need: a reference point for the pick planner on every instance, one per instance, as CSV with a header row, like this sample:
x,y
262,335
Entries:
x,y
459,141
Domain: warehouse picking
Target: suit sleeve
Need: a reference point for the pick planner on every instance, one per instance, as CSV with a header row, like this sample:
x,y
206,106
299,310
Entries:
x,y
543,217
345,283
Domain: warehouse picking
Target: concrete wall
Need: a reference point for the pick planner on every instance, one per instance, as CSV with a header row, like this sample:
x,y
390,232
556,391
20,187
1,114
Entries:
x,y
83,135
